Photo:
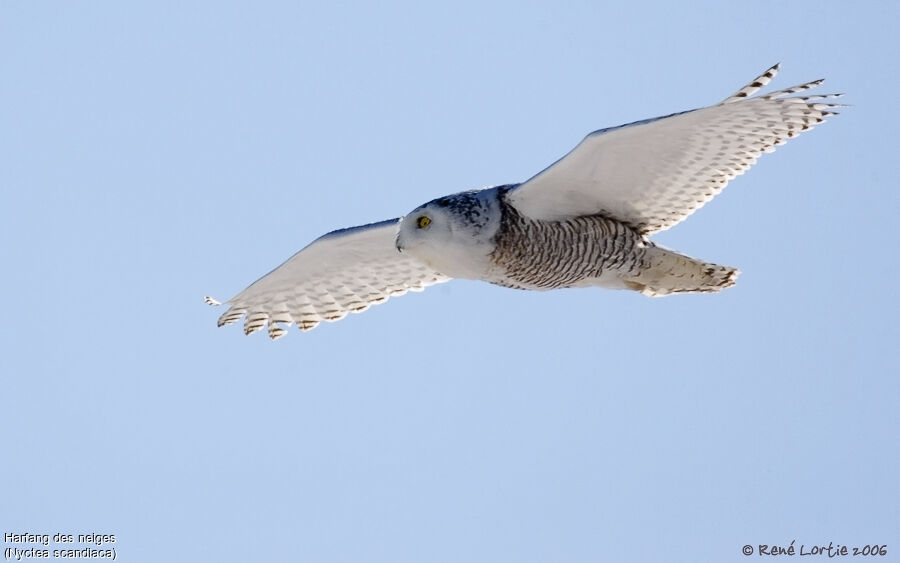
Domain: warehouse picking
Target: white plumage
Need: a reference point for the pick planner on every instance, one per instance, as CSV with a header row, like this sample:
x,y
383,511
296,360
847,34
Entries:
x,y
583,221
652,174
345,271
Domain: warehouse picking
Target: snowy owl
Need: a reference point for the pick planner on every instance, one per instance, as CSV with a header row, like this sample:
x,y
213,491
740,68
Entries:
x,y
583,221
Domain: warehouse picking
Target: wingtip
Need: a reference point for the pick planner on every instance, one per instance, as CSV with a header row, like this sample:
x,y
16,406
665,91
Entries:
x,y
211,301
770,72
753,87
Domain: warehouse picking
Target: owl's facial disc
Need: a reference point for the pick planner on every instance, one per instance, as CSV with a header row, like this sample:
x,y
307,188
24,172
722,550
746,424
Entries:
x,y
453,235
424,226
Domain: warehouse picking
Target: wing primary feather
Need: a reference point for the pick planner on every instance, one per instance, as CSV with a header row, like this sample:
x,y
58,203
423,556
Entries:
x,y
231,316
276,331
255,321
794,90
754,86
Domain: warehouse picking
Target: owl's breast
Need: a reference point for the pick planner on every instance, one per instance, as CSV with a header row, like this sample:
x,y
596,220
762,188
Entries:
x,y
581,251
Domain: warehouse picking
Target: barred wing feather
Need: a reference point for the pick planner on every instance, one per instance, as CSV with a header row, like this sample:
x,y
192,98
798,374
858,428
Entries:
x,y
345,271
654,173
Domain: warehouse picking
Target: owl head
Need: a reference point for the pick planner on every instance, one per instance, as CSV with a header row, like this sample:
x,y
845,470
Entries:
x,y
454,234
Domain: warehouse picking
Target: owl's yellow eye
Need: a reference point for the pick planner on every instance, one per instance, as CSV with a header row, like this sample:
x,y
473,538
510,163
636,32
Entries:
x,y
423,222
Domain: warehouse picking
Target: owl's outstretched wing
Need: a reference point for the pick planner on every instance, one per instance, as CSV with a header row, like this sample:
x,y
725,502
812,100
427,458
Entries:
x,y
345,271
653,173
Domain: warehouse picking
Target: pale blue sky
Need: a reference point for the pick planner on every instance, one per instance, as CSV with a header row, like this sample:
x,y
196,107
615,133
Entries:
x,y
153,153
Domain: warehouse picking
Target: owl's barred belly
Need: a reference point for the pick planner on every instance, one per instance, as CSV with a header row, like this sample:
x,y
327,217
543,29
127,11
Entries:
x,y
593,250
577,252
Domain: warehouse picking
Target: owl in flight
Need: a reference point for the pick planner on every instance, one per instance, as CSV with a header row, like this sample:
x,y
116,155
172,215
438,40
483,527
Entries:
x,y
583,221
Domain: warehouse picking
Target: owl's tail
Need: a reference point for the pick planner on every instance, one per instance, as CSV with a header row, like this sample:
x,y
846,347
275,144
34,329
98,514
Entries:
x,y
670,272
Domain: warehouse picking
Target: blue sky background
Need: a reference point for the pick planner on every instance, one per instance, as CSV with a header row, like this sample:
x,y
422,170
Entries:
x,y
153,153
